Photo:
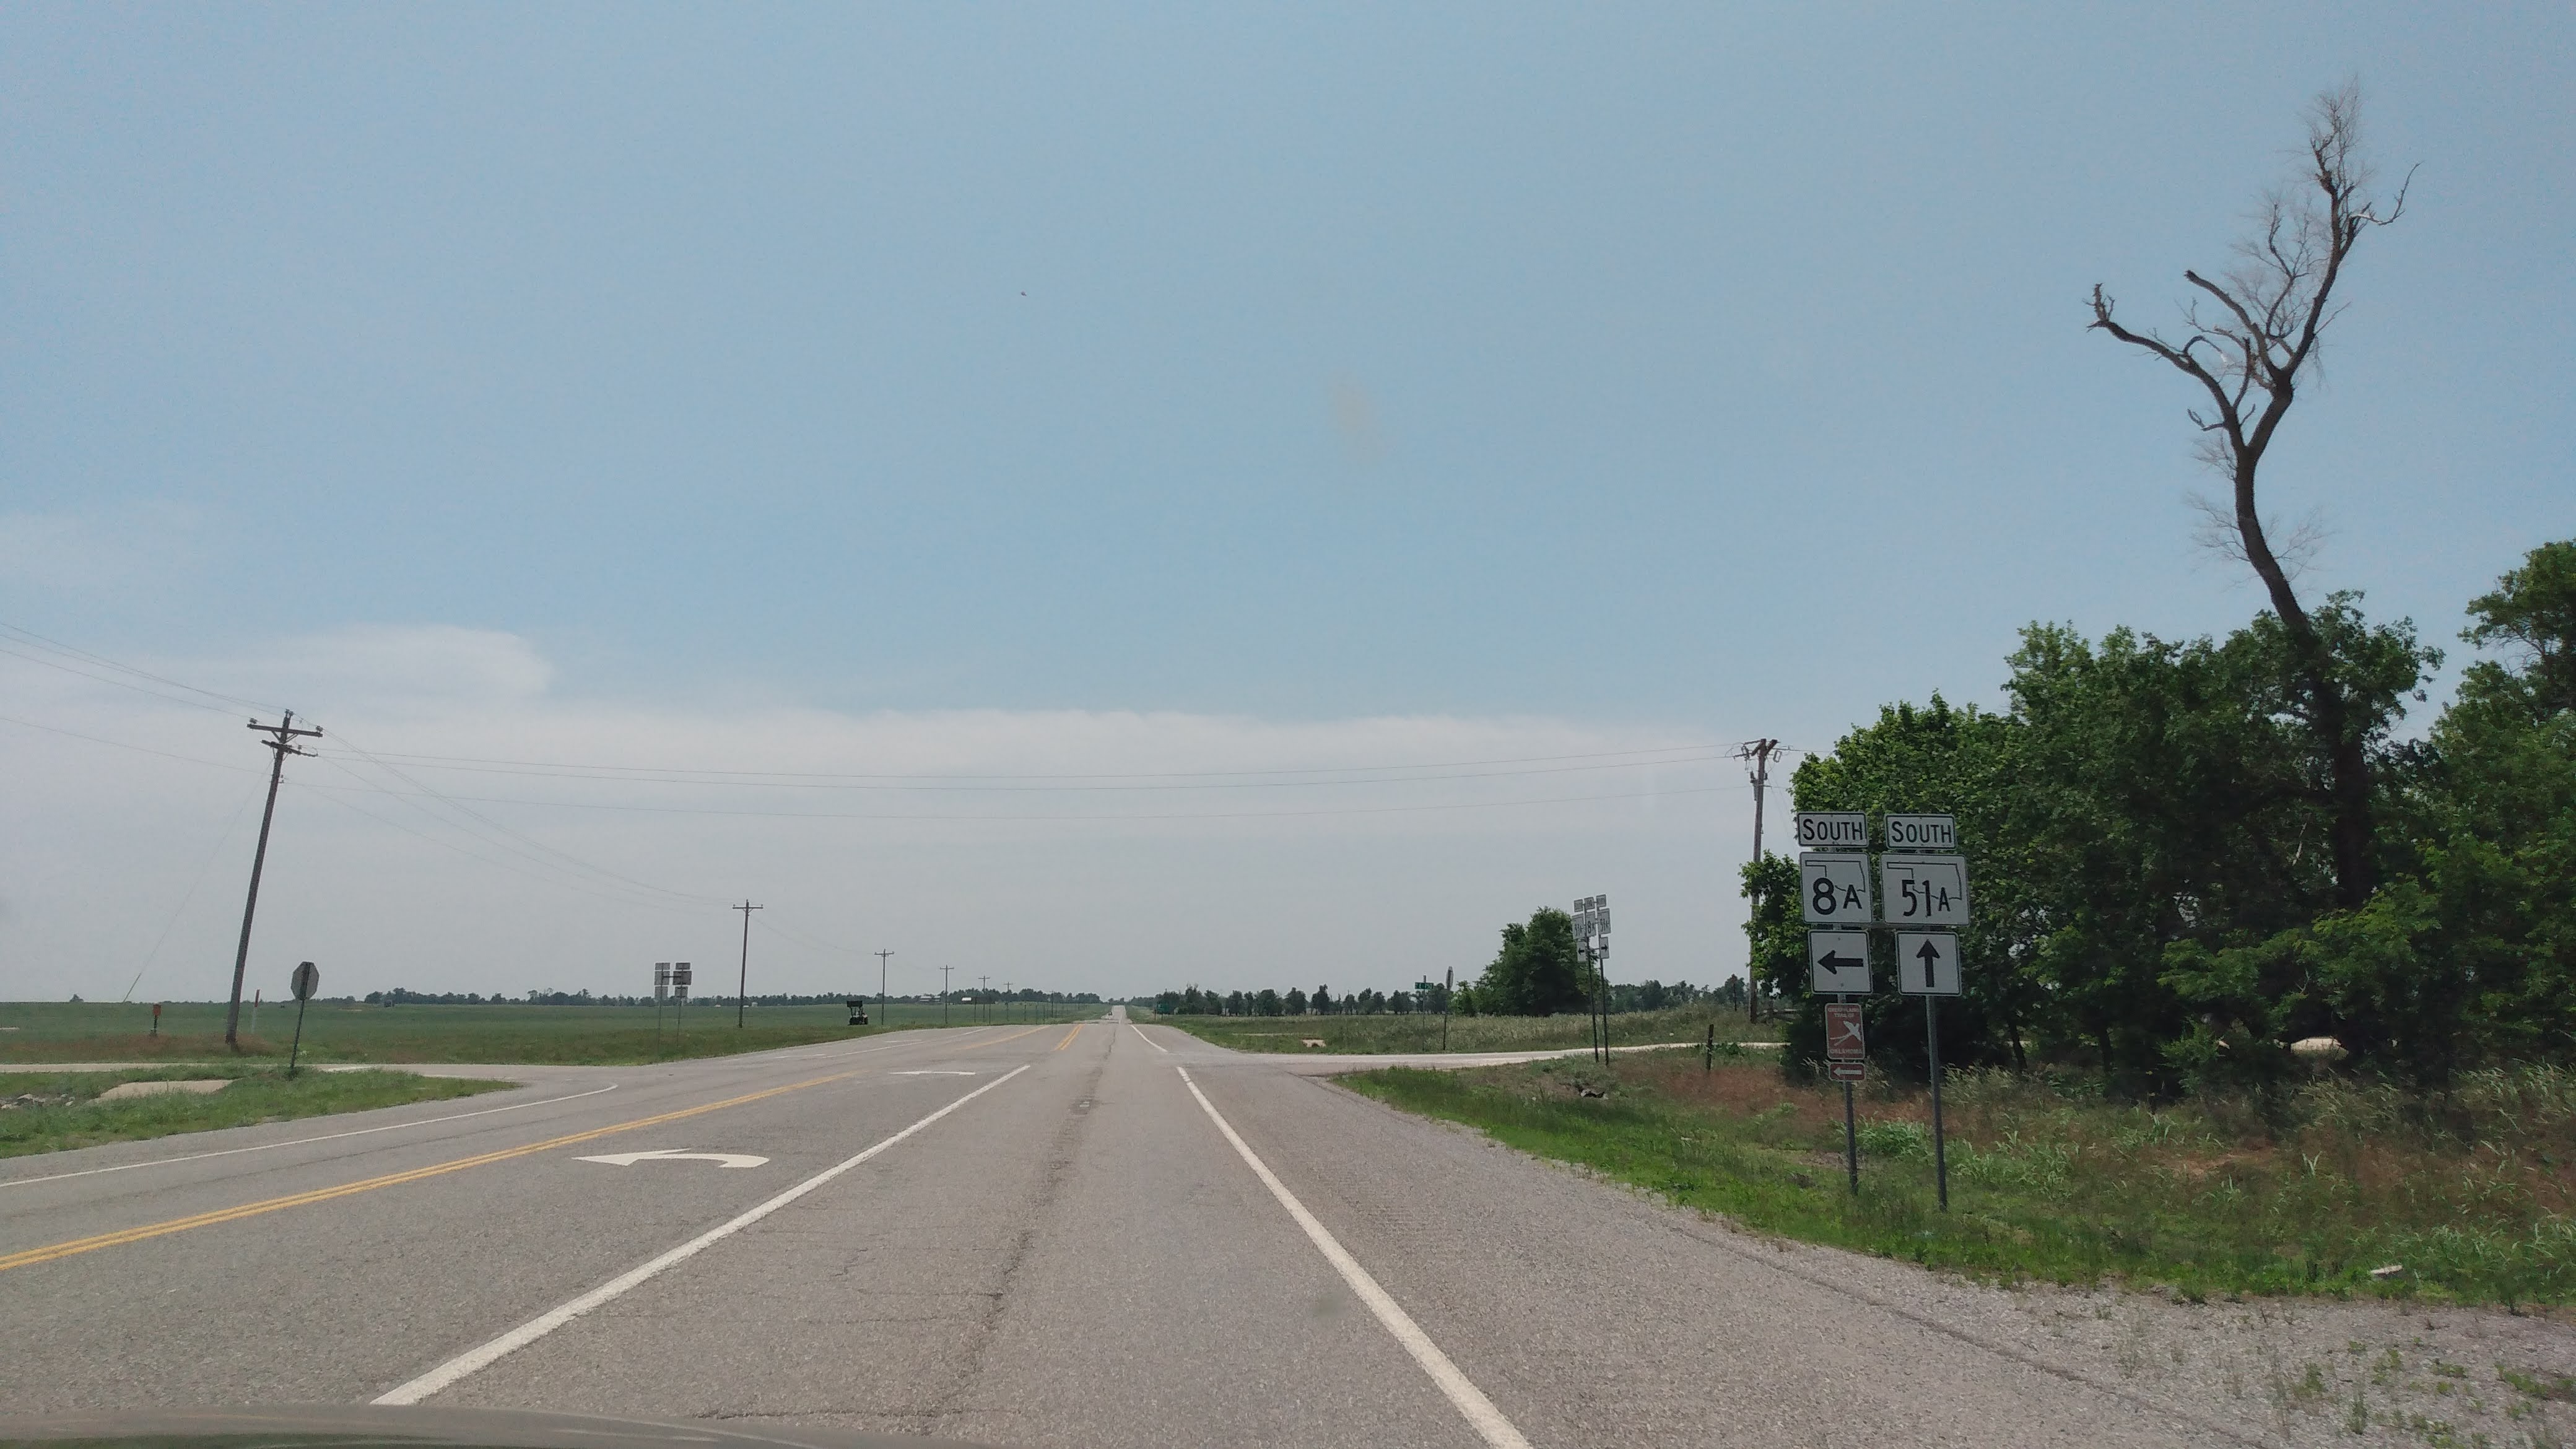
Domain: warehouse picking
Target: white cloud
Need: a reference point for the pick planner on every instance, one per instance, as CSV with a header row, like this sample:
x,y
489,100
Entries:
x,y
1084,850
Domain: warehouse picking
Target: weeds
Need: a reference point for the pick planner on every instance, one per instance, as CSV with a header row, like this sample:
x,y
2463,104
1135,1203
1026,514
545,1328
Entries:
x,y
2306,1189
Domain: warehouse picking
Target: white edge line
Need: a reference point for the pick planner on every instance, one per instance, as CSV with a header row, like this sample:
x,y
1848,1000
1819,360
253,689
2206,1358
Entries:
x,y
301,1141
538,1327
1149,1041
1480,1413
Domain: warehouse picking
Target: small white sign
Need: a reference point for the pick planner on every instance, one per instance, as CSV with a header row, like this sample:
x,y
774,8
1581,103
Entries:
x,y
1922,832
1923,890
1833,830
1838,962
1927,963
1833,890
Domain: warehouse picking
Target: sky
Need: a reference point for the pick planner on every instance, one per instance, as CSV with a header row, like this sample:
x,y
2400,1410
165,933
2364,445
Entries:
x,y
1109,497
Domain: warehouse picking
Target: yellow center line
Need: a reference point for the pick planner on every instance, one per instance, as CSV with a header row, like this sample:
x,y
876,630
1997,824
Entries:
x,y
391,1179
997,1041
1069,1036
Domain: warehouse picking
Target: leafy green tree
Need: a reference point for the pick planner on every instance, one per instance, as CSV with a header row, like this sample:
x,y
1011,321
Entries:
x,y
1537,972
1268,1003
1322,1001
1296,1001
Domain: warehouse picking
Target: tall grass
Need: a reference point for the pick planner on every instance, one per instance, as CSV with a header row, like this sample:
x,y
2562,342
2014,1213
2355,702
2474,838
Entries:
x,y
1421,1033
2303,1190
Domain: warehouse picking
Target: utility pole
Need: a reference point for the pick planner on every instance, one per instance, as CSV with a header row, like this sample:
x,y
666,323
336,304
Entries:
x,y
281,743
1008,1014
1760,753
986,996
887,1020
742,989
943,994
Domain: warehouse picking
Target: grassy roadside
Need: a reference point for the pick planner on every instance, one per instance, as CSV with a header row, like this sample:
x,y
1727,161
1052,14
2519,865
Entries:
x,y
502,1034
57,1111
2472,1192
1413,1033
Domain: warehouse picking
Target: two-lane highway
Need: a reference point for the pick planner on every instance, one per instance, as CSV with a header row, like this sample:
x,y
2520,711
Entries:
x,y
1107,1235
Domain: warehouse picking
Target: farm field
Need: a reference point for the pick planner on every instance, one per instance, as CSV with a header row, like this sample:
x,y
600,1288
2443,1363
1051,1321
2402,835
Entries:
x,y
502,1033
1387,1033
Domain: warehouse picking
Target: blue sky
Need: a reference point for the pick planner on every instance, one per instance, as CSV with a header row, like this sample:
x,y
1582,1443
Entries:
x,y
1612,376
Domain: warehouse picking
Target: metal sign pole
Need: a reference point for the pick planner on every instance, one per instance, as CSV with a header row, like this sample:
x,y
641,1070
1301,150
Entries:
x,y
1851,1136
1932,1044
307,981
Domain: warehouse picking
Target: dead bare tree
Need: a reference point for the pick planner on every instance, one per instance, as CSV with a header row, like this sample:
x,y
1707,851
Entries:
x,y
2249,337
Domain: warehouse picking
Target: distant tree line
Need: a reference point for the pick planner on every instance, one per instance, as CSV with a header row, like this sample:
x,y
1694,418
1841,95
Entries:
x,y
1536,973
404,996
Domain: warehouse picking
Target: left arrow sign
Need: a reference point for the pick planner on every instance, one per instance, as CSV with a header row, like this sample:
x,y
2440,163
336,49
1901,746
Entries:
x,y
678,1154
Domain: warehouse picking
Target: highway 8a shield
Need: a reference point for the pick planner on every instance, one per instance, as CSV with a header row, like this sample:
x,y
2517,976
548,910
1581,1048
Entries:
x,y
1838,963
1833,889
1927,963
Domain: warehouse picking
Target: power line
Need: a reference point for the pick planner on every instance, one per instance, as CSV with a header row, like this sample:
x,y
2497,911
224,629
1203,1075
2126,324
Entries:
x,y
679,774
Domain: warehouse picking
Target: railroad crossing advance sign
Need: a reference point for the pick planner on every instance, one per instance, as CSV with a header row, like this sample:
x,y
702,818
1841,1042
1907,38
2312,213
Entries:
x,y
1833,830
1838,963
1923,890
308,979
1833,888
1927,963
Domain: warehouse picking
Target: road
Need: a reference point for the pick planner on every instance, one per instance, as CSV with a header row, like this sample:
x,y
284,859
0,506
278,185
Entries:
x,y
1108,1235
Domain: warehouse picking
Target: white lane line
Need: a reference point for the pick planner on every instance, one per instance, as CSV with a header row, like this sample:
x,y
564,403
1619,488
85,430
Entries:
x,y
1149,1041
1481,1415
301,1141
538,1327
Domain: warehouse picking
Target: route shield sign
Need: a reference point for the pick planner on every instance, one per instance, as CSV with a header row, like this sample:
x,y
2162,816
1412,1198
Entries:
x,y
1833,830
1838,962
1833,889
1843,1041
1927,963
1923,890
1922,832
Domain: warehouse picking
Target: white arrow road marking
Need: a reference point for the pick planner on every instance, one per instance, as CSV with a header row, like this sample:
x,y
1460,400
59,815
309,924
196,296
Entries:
x,y
930,1073
677,1154
547,1322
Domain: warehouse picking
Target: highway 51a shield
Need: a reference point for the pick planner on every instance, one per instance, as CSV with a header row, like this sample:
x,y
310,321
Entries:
x,y
1838,962
1833,889
1923,890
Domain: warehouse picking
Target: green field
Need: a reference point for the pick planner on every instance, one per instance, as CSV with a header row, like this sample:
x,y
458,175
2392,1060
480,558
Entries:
x,y
503,1033
54,1111
1411,1033
2305,1191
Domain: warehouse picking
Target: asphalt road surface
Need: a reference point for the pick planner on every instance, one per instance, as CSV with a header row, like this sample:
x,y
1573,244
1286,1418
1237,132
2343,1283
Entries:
x,y
1106,1235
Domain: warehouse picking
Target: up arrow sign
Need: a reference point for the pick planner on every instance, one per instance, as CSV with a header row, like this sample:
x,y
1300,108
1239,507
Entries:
x,y
678,1154
1935,955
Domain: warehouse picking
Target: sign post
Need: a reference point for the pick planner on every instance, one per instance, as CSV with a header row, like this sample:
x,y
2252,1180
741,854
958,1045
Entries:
x,y
661,992
1846,1054
307,981
1923,888
1927,965
681,976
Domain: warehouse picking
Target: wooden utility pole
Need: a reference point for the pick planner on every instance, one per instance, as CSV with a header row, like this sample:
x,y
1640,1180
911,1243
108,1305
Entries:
x,y
281,743
742,989
1760,753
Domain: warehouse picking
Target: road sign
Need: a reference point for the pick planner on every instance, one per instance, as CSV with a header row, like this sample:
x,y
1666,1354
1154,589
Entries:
x,y
1425,986
1833,830
1922,832
1838,962
307,981
1846,1071
1833,889
1927,963
1842,1032
1923,890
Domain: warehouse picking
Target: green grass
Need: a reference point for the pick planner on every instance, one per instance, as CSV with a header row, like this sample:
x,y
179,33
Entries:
x,y
1411,1033
499,1034
2301,1193
56,1111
